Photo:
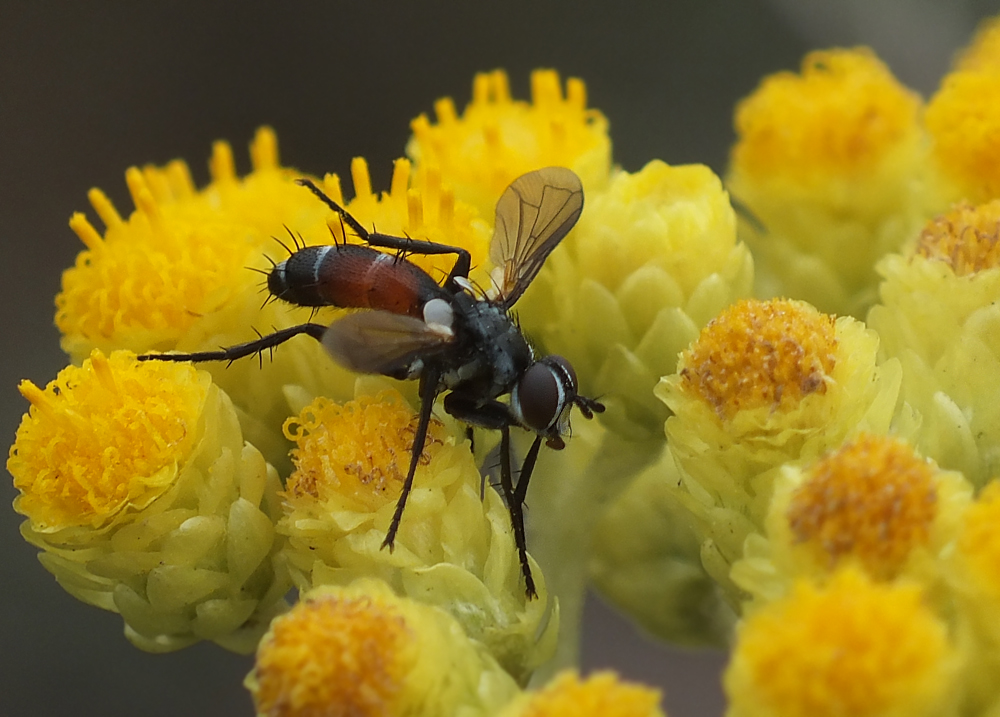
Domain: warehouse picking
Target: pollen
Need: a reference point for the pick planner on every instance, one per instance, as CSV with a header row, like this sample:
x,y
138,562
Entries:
x,y
359,450
979,542
602,694
851,647
103,436
872,500
760,354
842,115
497,138
965,128
333,654
967,238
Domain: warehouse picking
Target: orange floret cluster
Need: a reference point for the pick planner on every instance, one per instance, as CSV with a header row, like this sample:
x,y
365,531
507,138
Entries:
x,y
108,434
359,450
852,647
967,238
333,655
602,694
873,500
760,353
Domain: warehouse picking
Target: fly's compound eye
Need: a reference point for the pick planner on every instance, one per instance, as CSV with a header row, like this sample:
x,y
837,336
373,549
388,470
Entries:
x,y
542,395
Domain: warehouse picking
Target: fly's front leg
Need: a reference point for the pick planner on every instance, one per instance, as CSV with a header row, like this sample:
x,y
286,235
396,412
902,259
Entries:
x,y
428,391
516,508
496,415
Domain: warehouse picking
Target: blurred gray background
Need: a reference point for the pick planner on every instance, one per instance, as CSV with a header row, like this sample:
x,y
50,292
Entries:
x,y
88,89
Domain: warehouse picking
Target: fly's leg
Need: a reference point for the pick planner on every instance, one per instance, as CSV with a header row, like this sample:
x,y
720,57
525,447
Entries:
x,y
428,391
463,264
257,346
515,506
496,415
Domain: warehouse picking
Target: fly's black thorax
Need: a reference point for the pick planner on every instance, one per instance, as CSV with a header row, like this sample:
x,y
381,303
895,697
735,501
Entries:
x,y
491,354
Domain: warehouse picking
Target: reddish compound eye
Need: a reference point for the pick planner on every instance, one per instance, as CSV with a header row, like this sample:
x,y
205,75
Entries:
x,y
543,393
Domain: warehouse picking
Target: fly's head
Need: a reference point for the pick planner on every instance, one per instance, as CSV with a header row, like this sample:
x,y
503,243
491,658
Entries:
x,y
543,397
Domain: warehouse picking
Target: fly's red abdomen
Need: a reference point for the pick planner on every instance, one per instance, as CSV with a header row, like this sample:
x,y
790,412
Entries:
x,y
352,276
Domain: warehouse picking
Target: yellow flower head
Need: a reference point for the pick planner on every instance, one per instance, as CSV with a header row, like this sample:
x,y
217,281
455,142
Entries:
x,y
761,355
363,651
939,316
830,163
766,382
453,549
842,116
498,139
851,647
965,128
182,254
601,694
872,500
104,437
147,501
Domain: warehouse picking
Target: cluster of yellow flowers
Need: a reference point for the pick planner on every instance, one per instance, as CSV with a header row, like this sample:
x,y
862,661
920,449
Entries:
x,y
817,491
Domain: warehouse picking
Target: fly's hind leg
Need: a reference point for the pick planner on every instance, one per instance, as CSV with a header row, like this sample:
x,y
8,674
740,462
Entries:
x,y
463,264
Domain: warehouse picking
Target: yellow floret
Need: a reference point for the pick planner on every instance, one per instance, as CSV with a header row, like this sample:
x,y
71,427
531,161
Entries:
x,y
361,650
602,694
851,647
872,500
103,437
497,139
965,127
841,116
761,355
429,212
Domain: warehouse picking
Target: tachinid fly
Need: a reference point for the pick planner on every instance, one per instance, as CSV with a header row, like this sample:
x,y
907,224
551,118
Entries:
x,y
447,336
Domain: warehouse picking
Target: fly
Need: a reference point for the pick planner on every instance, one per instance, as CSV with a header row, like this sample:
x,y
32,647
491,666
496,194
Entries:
x,y
446,336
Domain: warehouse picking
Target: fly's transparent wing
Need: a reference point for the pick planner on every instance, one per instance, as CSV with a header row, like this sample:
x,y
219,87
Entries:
x,y
382,342
535,212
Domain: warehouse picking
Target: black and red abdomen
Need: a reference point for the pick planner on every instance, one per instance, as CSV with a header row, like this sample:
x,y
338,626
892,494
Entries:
x,y
352,276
